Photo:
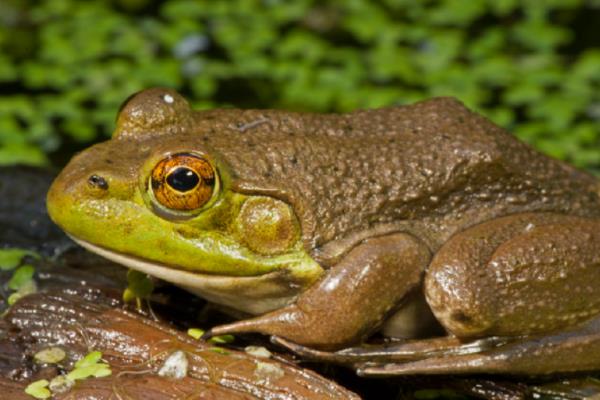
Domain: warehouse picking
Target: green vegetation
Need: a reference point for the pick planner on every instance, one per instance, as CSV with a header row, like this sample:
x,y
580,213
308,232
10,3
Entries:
x,y
90,366
197,333
39,389
22,281
139,287
21,277
532,66
12,258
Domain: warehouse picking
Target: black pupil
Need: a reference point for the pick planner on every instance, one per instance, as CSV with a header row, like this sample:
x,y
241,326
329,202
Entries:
x,y
183,179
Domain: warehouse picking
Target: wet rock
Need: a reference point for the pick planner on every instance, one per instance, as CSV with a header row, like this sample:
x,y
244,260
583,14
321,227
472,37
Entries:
x,y
83,319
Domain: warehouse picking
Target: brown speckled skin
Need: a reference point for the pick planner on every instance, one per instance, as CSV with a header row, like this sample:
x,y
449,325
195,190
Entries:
x,y
429,169
517,275
505,239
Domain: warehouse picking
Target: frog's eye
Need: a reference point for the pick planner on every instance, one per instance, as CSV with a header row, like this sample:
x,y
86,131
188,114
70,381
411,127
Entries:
x,y
183,182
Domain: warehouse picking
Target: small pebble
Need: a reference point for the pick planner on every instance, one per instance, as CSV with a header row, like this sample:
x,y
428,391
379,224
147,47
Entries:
x,y
268,371
258,351
175,366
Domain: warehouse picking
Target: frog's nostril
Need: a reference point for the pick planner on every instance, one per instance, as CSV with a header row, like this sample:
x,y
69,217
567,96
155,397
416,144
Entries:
x,y
98,182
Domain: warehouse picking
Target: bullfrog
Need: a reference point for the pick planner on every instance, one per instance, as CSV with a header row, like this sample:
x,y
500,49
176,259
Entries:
x,y
462,248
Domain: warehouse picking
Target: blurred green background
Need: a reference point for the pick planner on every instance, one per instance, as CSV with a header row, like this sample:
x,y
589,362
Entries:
x,y
533,66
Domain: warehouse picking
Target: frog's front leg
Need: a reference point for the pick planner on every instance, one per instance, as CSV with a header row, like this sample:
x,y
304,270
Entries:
x,y
351,300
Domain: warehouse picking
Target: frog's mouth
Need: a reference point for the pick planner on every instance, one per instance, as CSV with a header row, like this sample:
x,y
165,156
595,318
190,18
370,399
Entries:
x,y
252,294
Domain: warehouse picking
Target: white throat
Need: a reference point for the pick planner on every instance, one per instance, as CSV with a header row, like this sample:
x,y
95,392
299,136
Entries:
x,y
252,294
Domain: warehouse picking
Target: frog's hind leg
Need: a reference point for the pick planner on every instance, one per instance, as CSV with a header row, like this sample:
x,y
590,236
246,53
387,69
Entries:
x,y
518,295
518,275
535,276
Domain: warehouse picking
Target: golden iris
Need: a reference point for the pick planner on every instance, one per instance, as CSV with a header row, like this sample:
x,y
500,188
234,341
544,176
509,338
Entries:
x,y
183,182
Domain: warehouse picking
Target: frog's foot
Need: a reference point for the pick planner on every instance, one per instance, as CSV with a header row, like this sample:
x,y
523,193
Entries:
x,y
570,350
576,349
402,351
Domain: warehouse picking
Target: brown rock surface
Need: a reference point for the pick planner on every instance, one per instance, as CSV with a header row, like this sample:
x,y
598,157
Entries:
x,y
85,319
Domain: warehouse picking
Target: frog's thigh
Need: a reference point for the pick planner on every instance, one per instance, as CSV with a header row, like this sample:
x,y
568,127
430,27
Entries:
x,y
516,275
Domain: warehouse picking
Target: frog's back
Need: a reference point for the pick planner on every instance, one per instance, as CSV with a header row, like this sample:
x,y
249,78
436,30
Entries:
x,y
431,168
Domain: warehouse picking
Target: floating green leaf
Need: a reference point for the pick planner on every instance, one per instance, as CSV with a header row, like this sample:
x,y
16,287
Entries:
x,y
21,277
89,359
39,389
222,339
90,366
95,370
26,288
11,258
196,333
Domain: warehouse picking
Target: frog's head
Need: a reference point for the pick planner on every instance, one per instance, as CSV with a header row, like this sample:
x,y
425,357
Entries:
x,y
155,198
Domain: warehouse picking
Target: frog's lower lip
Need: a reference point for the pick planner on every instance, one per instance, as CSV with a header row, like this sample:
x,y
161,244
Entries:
x,y
252,294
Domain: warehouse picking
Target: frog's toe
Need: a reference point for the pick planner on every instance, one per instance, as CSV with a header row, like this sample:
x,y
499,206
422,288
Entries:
x,y
430,356
458,364
391,353
294,347
311,353
243,326
290,322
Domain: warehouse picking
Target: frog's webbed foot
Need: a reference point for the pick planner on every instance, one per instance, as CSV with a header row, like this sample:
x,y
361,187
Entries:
x,y
575,349
397,352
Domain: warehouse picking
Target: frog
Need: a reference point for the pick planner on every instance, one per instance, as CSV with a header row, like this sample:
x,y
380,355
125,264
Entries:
x,y
411,239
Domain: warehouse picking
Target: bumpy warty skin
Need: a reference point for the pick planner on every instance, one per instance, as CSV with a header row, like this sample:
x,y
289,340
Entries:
x,y
431,169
